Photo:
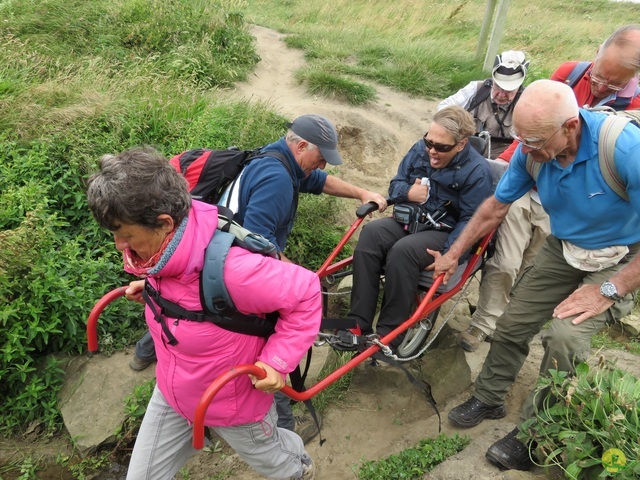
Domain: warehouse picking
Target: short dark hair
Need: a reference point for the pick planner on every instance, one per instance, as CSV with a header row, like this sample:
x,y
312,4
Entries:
x,y
135,187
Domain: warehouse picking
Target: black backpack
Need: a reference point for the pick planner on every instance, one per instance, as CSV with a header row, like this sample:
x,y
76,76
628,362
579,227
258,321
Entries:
x,y
209,171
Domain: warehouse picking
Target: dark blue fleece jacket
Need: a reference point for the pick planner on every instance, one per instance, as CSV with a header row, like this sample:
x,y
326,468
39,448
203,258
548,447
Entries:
x,y
267,203
466,182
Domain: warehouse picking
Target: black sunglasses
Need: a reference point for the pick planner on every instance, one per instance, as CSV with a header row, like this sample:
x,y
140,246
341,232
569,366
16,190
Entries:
x,y
438,147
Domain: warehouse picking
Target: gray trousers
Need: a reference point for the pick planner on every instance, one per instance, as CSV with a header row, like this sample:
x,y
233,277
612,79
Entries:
x,y
538,291
164,445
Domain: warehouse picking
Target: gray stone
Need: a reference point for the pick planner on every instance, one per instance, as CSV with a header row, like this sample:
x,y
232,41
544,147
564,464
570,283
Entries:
x,y
94,394
631,324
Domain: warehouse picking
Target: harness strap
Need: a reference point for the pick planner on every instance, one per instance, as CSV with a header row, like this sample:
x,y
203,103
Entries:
x,y
236,322
423,385
609,132
158,317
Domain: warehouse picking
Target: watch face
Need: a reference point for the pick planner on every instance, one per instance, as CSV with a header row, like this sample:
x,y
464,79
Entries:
x,y
609,290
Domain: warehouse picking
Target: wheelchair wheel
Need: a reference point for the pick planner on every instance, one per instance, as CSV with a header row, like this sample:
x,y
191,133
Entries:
x,y
416,336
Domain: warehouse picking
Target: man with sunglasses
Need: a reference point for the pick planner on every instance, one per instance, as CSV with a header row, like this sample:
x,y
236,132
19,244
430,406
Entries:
x,y
585,274
459,179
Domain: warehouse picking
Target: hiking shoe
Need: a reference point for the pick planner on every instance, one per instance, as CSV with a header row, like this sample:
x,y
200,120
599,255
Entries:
x,y
473,411
306,427
471,338
138,364
308,472
509,453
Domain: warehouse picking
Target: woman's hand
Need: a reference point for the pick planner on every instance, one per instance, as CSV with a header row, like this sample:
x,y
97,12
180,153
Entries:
x,y
273,382
418,192
134,291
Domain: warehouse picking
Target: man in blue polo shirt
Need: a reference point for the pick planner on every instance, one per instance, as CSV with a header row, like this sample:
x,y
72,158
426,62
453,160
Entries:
x,y
587,271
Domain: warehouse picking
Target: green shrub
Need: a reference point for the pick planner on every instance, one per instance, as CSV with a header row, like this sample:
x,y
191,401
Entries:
x,y
589,424
413,463
316,231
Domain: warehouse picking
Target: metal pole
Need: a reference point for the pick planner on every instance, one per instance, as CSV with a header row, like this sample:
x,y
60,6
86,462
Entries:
x,y
496,34
484,29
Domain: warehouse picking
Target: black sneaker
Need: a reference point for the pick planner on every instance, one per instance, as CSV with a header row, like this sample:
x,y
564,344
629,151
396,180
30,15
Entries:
x,y
473,411
307,428
509,453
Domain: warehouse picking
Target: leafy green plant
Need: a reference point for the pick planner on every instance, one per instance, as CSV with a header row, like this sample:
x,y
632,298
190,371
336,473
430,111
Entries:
x,y
413,463
316,231
589,423
135,408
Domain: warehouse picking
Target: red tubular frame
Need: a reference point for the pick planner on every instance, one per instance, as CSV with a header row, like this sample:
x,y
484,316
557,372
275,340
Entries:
x,y
426,306
92,321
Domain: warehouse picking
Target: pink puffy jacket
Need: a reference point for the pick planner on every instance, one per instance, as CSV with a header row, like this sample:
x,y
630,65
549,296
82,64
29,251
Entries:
x,y
256,284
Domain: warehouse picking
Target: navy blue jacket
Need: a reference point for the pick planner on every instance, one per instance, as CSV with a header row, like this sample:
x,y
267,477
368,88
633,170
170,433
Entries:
x,y
267,205
466,182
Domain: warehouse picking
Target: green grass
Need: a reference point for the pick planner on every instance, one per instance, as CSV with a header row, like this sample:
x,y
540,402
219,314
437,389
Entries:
x,y
428,48
413,463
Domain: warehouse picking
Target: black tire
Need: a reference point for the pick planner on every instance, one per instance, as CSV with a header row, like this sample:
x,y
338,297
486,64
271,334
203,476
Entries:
x,y
416,337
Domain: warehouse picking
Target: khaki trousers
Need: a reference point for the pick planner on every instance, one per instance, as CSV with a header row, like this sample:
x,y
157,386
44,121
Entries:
x,y
519,238
540,288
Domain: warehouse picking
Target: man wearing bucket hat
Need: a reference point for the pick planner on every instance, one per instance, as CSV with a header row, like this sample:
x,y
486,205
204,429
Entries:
x,y
264,199
491,101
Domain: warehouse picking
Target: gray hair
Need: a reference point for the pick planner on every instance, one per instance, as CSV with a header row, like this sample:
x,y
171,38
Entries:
x,y
294,138
135,187
626,37
456,121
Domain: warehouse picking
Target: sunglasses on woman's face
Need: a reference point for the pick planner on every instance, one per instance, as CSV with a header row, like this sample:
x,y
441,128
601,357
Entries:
x,y
438,147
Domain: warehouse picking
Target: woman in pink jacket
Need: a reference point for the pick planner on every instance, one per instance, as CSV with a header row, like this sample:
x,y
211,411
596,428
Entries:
x,y
162,233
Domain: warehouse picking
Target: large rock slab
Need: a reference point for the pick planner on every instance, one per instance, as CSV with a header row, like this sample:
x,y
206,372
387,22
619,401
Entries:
x,y
93,397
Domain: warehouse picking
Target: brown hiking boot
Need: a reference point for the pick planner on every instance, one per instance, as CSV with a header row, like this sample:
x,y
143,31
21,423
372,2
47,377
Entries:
x,y
471,338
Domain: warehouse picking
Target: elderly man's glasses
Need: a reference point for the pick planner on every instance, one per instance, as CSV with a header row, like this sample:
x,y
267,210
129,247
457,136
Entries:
x,y
599,81
529,143
438,147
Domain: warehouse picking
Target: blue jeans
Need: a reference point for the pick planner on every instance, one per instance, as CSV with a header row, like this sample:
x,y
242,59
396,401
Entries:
x,y
145,350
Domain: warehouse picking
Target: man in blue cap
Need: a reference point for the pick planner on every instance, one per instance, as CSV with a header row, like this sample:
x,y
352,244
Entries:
x,y
264,198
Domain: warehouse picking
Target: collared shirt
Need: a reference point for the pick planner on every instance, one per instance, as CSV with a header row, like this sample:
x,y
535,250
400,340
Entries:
x,y
582,207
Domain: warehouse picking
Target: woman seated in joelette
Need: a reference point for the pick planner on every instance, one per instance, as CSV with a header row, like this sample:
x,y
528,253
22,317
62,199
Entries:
x,y
449,179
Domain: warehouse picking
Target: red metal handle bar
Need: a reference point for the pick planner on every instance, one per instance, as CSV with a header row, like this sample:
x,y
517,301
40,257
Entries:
x,y
323,270
92,321
426,305
214,388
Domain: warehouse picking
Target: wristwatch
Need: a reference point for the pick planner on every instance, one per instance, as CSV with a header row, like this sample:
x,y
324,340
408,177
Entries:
x,y
609,290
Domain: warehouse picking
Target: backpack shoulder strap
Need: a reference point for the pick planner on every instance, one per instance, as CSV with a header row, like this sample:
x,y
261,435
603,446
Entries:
x,y
576,74
533,167
213,291
483,92
609,132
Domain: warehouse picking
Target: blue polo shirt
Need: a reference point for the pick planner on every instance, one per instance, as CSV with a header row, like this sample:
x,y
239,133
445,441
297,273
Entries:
x,y
582,208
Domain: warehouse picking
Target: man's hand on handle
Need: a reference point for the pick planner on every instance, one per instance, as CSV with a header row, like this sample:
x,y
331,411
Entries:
x,y
446,264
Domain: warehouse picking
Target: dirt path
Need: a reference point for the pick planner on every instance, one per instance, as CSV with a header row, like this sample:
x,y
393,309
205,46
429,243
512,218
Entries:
x,y
382,413
373,138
